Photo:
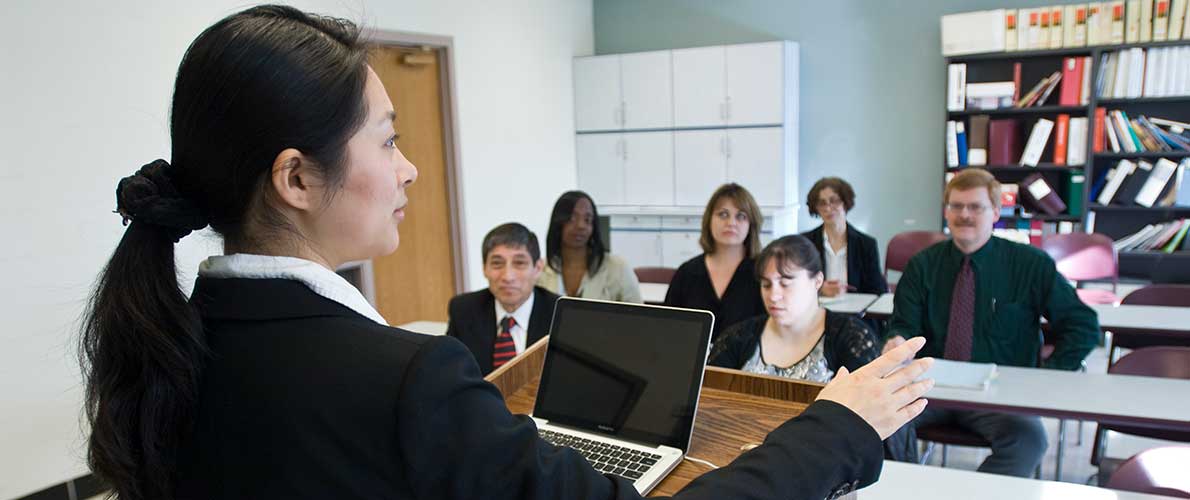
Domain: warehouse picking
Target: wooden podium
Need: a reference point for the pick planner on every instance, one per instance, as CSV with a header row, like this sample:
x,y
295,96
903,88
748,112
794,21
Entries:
x,y
735,409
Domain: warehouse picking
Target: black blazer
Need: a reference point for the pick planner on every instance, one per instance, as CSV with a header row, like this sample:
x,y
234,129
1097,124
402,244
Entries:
x,y
303,398
863,259
473,322
691,288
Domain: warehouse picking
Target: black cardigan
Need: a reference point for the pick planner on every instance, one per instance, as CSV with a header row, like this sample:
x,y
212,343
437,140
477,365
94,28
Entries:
x,y
302,397
848,342
691,288
863,260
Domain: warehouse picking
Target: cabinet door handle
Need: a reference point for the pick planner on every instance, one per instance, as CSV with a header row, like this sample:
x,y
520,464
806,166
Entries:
x,y
625,142
728,106
727,140
623,114
723,111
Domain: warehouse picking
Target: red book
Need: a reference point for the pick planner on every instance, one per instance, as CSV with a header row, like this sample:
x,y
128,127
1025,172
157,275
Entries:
x,y
1004,143
1036,230
1099,135
1016,82
1072,81
1061,131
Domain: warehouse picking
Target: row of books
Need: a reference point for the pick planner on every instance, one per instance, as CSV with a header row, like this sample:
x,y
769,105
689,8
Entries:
x,y
1166,237
1136,72
983,141
1064,26
1073,79
1145,184
1138,135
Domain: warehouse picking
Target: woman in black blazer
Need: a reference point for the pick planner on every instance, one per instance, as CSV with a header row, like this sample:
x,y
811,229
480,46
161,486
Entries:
x,y
720,279
831,198
276,379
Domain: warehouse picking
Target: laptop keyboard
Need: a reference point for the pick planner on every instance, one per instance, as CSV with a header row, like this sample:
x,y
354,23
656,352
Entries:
x,y
607,458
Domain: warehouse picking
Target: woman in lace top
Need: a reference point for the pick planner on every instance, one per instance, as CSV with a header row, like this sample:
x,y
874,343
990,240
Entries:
x,y
798,338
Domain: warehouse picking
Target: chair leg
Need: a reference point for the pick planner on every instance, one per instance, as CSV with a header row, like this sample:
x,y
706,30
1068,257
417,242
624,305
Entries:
x,y
1061,448
925,455
944,455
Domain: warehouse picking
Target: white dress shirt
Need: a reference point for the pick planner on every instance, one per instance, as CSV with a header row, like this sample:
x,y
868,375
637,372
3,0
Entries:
x,y
836,261
521,316
320,280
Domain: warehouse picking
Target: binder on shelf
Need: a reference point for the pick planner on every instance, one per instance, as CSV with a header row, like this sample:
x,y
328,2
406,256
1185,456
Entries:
x,y
1163,170
1161,20
1076,142
1132,184
1084,91
1033,31
1072,81
1146,21
961,142
973,32
1122,171
1043,33
1016,82
1132,21
1003,142
1101,181
1094,20
1099,137
1169,197
1037,141
1074,194
1057,21
952,144
1116,33
1183,190
1041,196
1010,30
1177,14
977,141
1061,132
1079,35
956,87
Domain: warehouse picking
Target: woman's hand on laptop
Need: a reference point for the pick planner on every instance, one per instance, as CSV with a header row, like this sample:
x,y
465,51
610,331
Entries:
x,y
883,392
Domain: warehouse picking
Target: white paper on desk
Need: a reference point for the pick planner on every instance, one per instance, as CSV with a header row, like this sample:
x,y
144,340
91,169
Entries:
x,y
961,374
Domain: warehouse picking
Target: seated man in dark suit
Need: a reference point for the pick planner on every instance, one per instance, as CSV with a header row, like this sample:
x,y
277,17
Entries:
x,y
500,321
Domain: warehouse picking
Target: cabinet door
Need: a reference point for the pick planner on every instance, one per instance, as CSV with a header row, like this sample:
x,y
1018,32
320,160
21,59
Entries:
x,y
639,247
649,168
601,167
755,83
597,93
700,165
700,87
755,160
678,247
647,81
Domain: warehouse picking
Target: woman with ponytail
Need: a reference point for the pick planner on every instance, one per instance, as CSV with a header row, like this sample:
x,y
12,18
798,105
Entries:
x,y
277,379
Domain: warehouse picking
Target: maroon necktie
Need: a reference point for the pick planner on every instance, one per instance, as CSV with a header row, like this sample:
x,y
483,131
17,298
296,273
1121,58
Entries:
x,y
505,348
962,314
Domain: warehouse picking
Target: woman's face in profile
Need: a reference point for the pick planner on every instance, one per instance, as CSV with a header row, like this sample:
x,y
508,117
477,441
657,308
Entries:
x,y
577,230
360,221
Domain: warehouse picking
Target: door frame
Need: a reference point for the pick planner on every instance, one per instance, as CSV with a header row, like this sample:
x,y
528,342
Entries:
x,y
444,47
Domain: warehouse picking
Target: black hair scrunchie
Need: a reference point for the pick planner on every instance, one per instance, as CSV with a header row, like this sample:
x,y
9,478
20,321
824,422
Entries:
x,y
149,196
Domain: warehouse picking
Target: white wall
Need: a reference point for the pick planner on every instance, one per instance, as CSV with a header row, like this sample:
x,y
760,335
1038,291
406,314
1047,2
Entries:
x,y
84,96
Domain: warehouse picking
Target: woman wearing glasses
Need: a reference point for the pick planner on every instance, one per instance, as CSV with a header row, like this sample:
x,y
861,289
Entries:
x,y
850,258
720,279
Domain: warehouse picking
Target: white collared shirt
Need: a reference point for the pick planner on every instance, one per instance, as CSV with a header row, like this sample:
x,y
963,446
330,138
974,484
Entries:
x,y
521,316
836,262
320,280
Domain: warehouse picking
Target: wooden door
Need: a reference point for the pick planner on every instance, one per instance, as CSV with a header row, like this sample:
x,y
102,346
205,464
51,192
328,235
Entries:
x,y
417,281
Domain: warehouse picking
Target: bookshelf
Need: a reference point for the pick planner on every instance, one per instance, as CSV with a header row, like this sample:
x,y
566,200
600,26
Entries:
x,y
1113,221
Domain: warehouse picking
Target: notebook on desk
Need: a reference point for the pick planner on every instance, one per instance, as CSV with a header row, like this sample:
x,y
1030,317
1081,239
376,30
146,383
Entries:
x,y
961,374
620,385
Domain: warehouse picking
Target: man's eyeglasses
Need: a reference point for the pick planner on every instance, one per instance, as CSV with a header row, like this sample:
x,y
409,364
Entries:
x,y
972,208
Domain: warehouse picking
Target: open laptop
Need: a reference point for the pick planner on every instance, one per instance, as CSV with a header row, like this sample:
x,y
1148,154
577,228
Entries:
x,y
621,384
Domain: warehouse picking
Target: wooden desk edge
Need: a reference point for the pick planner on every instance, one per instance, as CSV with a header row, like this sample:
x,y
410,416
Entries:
x,y
521,370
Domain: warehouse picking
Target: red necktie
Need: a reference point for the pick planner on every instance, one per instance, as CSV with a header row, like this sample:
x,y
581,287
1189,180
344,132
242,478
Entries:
x,y
505,348
962,315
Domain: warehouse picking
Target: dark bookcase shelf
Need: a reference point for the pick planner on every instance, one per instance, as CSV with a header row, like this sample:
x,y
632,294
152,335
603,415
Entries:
x,y
1036,110
1041,167
1148,154
1105,102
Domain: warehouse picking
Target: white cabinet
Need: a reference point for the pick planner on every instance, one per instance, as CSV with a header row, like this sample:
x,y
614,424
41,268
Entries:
x,y
601,167
755,80
700,87
700,165
649,168
597,93
639,248
678,247
603,102
754,160
648,101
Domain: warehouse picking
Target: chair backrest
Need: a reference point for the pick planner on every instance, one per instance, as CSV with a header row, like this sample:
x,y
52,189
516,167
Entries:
x,y
1082,256
661,275
1156,471
1160,295
905,245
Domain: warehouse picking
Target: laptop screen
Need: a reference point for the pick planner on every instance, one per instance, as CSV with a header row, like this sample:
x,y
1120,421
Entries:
x,y
625,370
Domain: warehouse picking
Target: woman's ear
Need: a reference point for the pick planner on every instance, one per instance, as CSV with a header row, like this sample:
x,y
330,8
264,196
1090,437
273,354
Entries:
x,y
819,278
295,181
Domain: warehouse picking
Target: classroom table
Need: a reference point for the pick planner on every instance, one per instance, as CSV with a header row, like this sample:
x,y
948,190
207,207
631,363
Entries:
x,y
882,308
848,303
425,327
922,482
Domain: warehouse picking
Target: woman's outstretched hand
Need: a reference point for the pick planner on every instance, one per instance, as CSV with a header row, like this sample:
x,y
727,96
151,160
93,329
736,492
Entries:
x,y
883,392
